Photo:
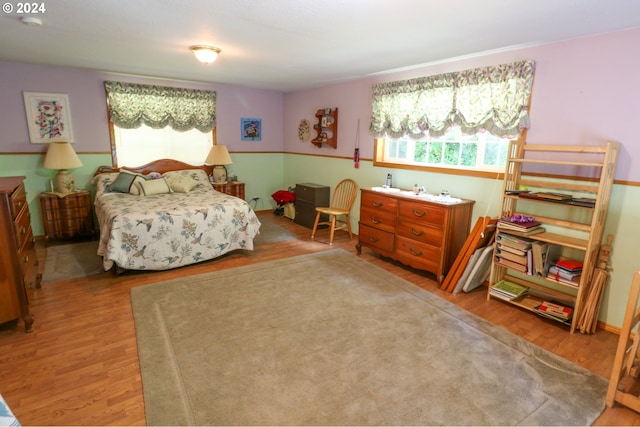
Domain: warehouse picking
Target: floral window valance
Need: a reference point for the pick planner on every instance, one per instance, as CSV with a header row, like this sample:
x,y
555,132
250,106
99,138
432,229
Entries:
x,y
493,99
131,105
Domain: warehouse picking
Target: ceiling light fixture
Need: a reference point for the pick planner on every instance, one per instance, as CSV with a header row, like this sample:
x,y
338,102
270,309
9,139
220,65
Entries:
x,y
31,21
205,54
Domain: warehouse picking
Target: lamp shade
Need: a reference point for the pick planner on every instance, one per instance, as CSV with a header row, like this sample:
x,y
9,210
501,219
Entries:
x,y
218,155
60,155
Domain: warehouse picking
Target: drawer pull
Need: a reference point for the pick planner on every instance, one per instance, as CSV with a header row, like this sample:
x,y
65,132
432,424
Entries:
x,y
376,204
23,230
416,232
413,252
419,214
26,259
376,220
373,238
19,204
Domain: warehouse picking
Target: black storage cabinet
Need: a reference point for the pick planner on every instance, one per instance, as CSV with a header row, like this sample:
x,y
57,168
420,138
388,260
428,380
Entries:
x,y
308,197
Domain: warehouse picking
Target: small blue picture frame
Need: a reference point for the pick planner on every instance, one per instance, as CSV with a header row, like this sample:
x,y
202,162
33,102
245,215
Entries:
x,y
251,129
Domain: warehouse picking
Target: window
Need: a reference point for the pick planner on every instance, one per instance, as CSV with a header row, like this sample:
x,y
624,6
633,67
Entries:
x,y
460,120
482,151
137,147
156,122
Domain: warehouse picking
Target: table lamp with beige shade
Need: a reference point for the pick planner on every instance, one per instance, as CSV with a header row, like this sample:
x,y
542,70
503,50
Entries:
x,y
61,156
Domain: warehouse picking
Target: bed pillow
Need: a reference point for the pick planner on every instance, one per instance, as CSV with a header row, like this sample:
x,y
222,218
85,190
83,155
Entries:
x,y
135,188
103,180
123,183
154,186
197,175
181,183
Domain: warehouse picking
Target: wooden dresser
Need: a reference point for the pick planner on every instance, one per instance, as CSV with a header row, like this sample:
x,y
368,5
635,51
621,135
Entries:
x,y
67,217
423,234
18,262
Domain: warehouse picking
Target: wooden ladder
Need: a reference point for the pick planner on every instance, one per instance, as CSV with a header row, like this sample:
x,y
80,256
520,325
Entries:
x,y
626,365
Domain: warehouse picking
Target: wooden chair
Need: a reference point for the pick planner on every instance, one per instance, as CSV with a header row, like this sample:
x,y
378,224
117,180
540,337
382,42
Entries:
x,y
623,387
341,202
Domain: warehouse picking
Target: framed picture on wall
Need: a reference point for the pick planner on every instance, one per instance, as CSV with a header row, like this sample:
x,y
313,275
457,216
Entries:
x,y
251,129
48,117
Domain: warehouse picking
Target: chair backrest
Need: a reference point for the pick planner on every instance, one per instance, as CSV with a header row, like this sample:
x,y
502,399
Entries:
x,y
344,195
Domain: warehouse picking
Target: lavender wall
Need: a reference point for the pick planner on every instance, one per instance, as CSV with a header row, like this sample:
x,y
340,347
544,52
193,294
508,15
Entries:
x,y
585,92
88,107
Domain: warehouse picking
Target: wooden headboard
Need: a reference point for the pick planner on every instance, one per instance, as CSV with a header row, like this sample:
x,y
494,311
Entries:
x,y
160,166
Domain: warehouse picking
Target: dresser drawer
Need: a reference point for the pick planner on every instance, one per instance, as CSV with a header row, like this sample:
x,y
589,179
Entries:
x,y
417,252
23,226
378,218
420,232
17,200
27,256
375,237
378,202
425,213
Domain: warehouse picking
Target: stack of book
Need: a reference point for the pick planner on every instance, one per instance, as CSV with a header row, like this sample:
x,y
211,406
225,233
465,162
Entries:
x,y
554,311
513,252
520,224
507,290
567,271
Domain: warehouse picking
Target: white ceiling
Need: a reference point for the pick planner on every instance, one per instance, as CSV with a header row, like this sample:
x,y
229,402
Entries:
x,y
293,44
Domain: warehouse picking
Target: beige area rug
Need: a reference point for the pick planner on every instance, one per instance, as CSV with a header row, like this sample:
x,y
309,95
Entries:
x,y
270,232
330,339
71,261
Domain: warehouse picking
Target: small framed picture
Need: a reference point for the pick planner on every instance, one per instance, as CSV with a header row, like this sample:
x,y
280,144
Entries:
x,y
48,117
251,129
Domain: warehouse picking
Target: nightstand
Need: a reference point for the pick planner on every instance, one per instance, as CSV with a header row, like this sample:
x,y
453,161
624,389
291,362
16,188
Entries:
x,y
67,216
231,188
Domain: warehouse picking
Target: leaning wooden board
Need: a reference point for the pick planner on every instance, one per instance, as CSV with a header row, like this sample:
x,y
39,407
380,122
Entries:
x,y
480,236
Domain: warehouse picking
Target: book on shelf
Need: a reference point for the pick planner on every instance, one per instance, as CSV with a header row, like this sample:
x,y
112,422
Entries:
x,y
519,221
557,278
549,196
508,290
500,260
557,272
509,253
567,264
515,242
555,196
550,257
520,231
582,201
515,251
539,252
554,310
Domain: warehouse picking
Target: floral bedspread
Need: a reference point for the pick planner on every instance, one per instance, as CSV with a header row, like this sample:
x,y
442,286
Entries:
x,y
164,231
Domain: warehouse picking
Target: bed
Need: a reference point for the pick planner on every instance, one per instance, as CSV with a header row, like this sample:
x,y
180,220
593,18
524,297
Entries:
x,y
165,215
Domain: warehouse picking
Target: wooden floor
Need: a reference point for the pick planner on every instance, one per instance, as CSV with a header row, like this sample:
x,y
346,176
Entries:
x,y
80,365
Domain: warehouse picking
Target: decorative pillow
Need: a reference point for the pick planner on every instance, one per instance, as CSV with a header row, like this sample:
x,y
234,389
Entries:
x,y
181,183
154,175
135,188
154,186
122,184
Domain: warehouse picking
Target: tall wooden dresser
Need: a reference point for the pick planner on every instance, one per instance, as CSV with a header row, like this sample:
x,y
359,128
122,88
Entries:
x,y
423,234
308,197
18,262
